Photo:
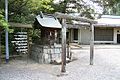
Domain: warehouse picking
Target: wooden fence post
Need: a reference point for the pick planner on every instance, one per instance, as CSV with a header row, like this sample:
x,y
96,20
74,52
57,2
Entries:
x,y
92,45
63,46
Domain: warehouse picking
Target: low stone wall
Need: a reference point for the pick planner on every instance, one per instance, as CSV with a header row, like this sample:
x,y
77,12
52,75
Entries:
x,y
37,53
45,54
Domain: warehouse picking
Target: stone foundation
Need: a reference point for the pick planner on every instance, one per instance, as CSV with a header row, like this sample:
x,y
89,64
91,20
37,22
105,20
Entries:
x,y
45,54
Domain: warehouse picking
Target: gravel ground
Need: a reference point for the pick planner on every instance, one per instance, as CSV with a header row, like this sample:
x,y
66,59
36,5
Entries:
x,y
106,67
106,64
23,70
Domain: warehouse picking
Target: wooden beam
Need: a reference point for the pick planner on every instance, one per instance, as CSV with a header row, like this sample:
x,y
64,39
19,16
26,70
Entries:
x,y
77,26
20,25
92,45
78,18
63,46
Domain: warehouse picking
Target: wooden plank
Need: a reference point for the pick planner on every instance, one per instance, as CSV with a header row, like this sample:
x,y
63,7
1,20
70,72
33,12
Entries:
x,y
63,46
92,45
66,16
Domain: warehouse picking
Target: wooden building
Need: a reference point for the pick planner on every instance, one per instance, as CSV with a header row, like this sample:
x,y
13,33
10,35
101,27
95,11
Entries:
x,y
49,39
107,30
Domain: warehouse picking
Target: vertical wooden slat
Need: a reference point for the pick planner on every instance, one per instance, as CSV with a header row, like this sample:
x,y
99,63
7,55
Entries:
x,y
92,45
63,46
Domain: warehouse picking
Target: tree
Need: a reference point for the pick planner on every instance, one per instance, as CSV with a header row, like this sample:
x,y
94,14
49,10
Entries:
x,y
74,6
40,5
24,11
109,6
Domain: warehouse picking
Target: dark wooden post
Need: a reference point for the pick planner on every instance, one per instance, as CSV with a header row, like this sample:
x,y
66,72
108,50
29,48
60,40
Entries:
x,y
92,45
67,45
63,46
28,44
68,51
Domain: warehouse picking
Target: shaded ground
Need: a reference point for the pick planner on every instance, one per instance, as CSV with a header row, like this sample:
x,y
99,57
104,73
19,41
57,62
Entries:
x,y
106,67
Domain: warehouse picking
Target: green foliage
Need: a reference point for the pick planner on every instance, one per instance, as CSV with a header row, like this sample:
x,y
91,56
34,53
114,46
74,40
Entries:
x,y
23,19
40,5
36,36
18,7
24,11
3,22
110,6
